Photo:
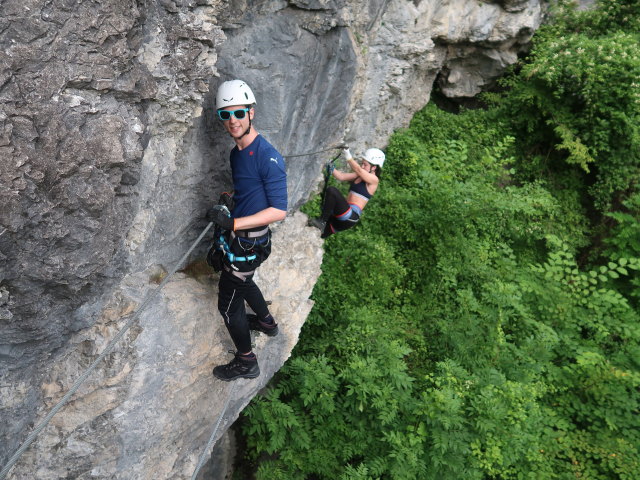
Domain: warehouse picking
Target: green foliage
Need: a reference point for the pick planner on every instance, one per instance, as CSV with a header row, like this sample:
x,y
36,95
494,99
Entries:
x,y
457,338
481,424
320,416
577,98
592,409
625,237
607,16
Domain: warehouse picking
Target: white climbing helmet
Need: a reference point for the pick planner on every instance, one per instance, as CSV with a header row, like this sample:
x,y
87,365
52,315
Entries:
x,y
234,92
374,156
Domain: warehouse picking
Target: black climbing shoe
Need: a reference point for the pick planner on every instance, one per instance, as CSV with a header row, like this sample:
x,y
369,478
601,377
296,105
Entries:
x,y
318,223
270,329
237,368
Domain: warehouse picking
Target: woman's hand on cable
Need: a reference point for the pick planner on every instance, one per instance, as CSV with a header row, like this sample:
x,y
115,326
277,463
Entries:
x,y
350,160
345,176
330,167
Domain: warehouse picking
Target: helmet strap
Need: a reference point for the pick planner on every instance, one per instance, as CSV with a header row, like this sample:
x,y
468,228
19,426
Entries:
x,y
248,129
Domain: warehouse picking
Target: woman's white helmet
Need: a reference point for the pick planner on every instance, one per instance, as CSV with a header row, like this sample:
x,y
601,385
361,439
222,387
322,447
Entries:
x,y
374,156
234,92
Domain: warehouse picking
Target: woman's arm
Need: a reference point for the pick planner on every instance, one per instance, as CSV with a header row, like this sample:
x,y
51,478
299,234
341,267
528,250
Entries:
x,y
368,178
344,176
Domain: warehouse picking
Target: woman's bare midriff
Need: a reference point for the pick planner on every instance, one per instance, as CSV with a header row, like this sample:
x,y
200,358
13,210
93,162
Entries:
x,y
357,200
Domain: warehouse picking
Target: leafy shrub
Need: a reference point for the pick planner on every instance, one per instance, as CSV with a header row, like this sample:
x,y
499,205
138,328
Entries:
x,y
577,97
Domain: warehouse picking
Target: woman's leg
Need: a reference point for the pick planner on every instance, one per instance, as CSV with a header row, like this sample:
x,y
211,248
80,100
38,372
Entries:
x,y
334,204
335,225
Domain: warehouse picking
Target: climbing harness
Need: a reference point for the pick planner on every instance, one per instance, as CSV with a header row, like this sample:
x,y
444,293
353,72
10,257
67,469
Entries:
x,y
14,458
249,233
351,215
238,274
247,241
224,246
244,240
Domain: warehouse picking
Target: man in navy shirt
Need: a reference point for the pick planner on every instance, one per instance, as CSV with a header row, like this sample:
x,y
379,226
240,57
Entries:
x,y
259,199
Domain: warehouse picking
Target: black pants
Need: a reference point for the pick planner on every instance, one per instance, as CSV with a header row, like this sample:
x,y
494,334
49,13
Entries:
x,y
333,207
232,293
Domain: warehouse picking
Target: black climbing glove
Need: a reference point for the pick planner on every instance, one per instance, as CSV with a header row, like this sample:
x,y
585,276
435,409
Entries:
x,y
227,200
220,215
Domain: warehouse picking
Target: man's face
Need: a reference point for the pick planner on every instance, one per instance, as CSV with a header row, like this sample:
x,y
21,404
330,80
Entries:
x,y
234,126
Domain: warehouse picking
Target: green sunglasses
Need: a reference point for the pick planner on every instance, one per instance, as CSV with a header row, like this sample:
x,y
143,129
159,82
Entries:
x,y
226,114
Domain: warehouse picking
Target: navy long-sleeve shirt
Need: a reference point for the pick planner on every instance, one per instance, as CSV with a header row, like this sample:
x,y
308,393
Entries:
x,y
259,178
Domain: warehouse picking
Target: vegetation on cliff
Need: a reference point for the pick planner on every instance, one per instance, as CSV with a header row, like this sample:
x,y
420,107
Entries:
x,y
483,322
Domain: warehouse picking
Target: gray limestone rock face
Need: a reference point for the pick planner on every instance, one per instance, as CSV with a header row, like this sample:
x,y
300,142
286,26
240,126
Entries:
x,y
148,410
110,153
96,97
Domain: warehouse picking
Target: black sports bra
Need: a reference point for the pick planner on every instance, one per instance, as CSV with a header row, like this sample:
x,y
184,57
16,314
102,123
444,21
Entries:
x,y
360,189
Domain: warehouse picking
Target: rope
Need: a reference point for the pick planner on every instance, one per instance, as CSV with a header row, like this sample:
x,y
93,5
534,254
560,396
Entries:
x,y
209,445
339,146
104,353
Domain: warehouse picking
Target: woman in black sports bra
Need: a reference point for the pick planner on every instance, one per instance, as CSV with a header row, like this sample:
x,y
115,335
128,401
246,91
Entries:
x,y
339,213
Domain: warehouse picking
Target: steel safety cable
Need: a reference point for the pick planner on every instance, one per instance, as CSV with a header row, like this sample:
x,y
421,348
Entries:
x,y
14,458
339,146
209,445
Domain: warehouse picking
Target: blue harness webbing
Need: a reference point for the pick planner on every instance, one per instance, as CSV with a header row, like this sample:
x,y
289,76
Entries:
x,y
351,211
224,246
